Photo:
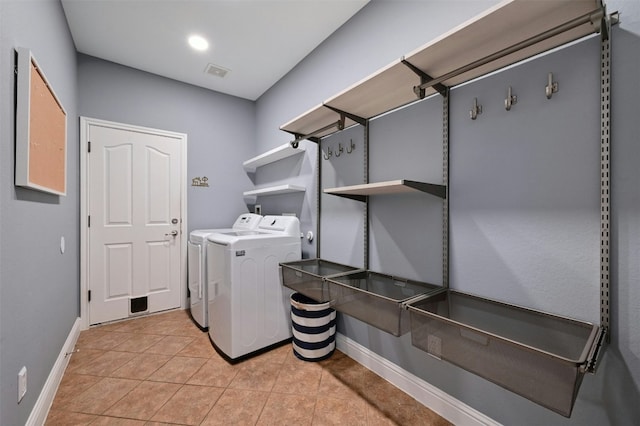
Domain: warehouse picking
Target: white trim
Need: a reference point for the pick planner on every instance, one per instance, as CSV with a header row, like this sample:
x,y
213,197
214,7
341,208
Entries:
x,y
45,399
85,122
440,402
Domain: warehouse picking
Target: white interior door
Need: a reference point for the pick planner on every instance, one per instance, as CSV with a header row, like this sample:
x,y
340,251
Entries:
x,y
134,208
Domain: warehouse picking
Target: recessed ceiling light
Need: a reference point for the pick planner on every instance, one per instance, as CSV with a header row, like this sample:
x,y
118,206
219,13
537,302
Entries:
x,y
198,42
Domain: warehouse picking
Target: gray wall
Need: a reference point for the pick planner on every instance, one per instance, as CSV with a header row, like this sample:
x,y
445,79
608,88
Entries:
x,y
38,285
220,130
524,194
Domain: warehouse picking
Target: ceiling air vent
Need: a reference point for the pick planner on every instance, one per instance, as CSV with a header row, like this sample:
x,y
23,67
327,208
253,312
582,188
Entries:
x,y
216,70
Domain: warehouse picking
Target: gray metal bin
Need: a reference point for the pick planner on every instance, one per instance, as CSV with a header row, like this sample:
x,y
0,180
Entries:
x,y
376,298
539,356
307,276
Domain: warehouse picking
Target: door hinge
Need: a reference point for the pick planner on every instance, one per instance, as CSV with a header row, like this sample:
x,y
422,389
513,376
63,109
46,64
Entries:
x,y
89,146
89,296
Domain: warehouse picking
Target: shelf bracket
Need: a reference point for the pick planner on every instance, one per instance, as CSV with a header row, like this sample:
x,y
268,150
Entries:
x,y
424,78
607,22
313,135
361,198
348,115
439,191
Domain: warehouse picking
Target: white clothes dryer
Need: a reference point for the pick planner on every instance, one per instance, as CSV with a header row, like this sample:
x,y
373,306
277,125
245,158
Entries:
x,y
248,307
197,262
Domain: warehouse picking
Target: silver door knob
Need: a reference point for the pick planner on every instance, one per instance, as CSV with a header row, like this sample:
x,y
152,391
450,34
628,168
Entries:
x,y
171,234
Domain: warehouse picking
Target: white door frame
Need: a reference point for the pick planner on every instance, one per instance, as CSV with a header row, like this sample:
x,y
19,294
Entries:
x,y
85,122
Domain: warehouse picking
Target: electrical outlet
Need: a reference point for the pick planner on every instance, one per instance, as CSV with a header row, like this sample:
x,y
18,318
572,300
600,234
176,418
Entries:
x,y
22,383
257,209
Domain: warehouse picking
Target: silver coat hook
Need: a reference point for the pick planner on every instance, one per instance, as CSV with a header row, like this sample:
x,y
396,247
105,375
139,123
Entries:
x,y
551,87
340,150
329,153
510,100
352,146
476,109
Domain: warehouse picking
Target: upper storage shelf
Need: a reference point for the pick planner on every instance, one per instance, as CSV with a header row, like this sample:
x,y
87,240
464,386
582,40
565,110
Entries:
x,y
275,190
360,192
278,153
511,31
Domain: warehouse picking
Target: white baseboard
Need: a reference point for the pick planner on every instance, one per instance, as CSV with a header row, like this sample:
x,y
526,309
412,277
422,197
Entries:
x,y
440,402
43,404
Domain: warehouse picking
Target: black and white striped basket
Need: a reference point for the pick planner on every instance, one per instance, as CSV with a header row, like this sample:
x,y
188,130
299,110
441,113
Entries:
x,y
314,328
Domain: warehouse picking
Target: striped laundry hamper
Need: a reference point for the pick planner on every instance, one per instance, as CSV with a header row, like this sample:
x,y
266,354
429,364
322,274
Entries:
x,y
314,328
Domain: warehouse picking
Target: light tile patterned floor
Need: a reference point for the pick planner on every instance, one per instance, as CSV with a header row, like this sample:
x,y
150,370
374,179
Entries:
x,y
162,369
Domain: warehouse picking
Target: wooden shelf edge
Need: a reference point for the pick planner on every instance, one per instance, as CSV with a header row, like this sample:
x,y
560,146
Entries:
x,y
360,192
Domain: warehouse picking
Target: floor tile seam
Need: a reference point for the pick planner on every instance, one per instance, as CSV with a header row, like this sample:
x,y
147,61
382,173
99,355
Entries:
x,y
65,407
165,381
114,417
314,394
212,405
120,350
165,403
99,376
263,407
120,377
269,391
315,407
131,336
360,398
121,398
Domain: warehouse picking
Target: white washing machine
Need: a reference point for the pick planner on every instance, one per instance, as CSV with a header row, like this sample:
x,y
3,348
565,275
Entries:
x,y
197,261
248,307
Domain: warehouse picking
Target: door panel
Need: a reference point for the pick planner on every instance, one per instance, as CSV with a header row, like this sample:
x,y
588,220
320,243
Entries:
x,y
134,181
117,185
119,271
158,177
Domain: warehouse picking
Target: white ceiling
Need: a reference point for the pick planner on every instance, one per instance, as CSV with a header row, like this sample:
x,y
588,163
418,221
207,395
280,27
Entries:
x,y
258,41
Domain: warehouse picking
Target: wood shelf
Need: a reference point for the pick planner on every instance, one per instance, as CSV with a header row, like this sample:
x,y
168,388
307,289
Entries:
x,y
276,154
401,186
488,42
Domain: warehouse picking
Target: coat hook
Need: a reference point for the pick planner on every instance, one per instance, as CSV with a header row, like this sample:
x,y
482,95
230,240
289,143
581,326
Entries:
x,y
475,109
351,147
510,100
340,150
551,87
329,153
